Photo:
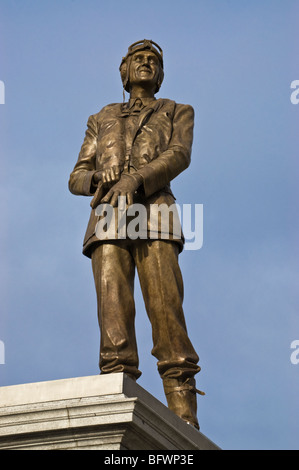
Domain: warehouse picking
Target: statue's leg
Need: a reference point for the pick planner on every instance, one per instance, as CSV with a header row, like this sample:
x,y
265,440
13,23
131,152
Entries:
x,y
162,287
114,271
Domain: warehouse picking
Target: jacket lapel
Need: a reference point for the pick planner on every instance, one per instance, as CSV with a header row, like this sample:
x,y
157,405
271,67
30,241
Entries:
x,y
145,115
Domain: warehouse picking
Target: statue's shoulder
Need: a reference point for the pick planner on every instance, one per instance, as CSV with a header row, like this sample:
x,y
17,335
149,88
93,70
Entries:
x,y
172,103
176,107
165,102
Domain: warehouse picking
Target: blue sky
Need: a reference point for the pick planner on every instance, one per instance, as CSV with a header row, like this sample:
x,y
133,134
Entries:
x,y
233,61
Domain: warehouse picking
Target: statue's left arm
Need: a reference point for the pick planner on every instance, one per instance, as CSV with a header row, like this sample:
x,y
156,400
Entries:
x,y
169,164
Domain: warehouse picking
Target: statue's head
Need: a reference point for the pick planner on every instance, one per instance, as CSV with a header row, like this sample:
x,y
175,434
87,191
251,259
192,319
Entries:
x,y
142,50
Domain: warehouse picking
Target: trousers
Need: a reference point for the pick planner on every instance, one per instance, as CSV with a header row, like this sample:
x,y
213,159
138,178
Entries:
x,y
114,264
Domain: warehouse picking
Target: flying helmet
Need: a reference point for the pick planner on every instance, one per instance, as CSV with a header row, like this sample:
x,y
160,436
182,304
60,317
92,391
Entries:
x,y
145,44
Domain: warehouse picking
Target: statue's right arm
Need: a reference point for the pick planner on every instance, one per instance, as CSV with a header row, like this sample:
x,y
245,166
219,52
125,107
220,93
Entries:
x,y
81,180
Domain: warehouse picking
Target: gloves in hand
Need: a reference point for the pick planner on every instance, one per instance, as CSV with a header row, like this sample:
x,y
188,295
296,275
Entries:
x,y
126,186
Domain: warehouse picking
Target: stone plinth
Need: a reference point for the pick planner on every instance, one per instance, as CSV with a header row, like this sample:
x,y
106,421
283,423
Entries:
x,y
100,412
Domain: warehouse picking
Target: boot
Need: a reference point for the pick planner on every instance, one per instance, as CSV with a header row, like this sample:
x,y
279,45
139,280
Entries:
x,y
181,398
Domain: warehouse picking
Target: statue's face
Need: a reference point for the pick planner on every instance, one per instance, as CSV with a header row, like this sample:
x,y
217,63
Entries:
x,y
144,69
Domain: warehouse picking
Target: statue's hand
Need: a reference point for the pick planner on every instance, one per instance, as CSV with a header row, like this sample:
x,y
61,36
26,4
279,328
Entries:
x,y
108,177
126,186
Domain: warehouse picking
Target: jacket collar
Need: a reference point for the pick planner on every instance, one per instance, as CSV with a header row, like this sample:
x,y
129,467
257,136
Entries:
x,y
144,102
129,106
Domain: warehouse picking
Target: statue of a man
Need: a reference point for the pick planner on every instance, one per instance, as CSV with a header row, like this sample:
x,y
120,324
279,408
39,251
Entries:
x,y
134,150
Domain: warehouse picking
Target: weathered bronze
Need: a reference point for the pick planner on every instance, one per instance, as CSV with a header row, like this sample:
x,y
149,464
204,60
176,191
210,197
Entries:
x,y
134,150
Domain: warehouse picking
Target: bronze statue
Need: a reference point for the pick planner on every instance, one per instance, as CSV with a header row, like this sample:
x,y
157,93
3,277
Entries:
x,y
134,150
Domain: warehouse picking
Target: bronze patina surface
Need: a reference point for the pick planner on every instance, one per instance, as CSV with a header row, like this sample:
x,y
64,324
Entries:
x,y
134,150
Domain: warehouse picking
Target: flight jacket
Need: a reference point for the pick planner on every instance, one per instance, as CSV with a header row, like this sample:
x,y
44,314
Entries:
x,y
159,150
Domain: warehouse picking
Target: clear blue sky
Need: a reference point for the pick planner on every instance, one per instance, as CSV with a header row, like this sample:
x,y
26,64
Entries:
x,y
232,60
